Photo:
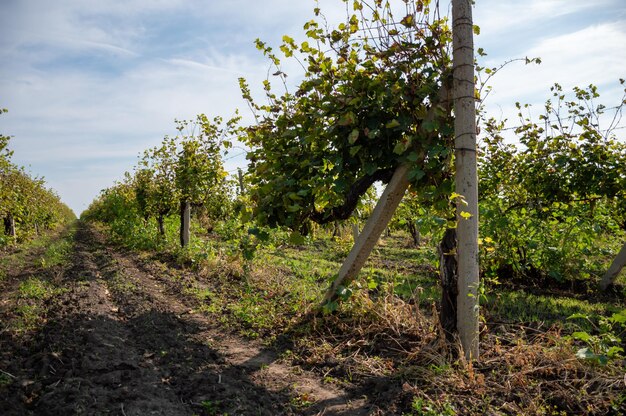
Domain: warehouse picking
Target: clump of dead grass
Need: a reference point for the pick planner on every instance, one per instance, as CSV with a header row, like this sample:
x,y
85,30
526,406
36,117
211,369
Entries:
x,y
522,370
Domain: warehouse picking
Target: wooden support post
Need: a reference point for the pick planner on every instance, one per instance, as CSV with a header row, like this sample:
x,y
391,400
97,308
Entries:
x,y
185,219
9,225
449,284
466,183
618,264
161,225
372,230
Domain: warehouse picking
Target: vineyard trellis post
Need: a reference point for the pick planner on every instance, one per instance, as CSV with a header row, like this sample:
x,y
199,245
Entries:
x,y
466,179
467,313
185,218
9,225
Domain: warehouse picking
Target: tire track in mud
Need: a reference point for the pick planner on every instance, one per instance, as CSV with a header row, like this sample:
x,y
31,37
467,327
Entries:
x,y
120,341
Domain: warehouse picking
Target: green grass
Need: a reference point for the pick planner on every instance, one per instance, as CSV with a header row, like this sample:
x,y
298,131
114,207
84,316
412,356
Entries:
x,y
58,252
519,306
287,280
284,280
121,285
34,288
54,248
425,407
32,295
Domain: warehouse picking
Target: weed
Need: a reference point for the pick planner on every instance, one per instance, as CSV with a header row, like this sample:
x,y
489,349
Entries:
x,y
521,306
302,401
425,407
57,254
5,379
605,344
28,317
34,288
211,408
618,403
121,285
33,293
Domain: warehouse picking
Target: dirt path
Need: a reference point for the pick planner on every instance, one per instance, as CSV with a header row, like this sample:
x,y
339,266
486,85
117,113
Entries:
x,y
121,340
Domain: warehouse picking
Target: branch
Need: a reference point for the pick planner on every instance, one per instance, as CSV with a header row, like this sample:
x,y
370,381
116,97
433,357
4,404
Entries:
x,y
357,190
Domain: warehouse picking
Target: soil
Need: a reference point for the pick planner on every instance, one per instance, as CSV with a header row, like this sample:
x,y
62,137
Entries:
x,y
120,339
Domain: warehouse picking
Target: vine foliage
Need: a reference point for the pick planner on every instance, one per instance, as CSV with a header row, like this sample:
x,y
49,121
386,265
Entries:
x,y
374,96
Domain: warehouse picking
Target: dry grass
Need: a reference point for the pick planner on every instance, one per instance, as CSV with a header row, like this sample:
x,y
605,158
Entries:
x,y
521,371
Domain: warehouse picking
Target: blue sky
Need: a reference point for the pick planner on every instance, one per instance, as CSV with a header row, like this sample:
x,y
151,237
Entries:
x,y
90,84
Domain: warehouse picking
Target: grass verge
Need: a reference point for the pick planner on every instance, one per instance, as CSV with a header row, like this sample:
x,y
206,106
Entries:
x,y
31,278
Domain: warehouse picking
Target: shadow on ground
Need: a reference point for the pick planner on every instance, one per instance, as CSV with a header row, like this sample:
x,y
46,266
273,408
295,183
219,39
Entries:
x,y
148,365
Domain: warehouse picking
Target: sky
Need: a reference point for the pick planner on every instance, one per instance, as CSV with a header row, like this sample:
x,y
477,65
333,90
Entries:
x,y
91,84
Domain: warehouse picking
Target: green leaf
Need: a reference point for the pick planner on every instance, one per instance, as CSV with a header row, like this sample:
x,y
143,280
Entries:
x,y
372,134
429,126
296,239
408,21
619,317
476,30
320,203
353,136
412,157
354,24
399,148
258,233
344,293
458,197
440,221
614,352
416,174
330,307
587,354
583,336
392,124
346,119
354,150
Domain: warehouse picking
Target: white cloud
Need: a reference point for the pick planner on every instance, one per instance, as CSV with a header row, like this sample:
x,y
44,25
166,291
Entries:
x,y
593,55
497,17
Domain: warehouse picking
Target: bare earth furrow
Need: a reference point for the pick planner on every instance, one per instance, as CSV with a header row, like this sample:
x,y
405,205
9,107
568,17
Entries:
x,y
120,340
